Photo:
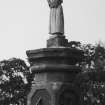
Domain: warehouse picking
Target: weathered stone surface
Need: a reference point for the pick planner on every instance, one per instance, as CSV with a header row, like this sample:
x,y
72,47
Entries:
x,y
58,55
57,41
54,67
52,92
54,59
55,72
56,24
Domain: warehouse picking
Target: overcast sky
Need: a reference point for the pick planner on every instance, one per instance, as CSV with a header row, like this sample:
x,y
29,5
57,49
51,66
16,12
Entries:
x,y
24,24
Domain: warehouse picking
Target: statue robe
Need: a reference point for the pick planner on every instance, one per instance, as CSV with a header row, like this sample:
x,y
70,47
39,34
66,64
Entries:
x,y
56,24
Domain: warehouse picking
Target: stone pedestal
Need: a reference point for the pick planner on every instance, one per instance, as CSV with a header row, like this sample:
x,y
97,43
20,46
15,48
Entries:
x,y
56,41
54,73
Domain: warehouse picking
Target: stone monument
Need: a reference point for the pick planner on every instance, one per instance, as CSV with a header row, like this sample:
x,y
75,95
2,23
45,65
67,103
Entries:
x,y
54,67
56,24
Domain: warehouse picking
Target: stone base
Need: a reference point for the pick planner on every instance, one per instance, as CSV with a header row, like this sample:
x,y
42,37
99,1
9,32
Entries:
x,y
54,71
57,41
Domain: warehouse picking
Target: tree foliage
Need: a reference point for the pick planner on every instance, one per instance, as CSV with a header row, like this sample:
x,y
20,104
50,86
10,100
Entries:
x,y
14,82
94,55
92,78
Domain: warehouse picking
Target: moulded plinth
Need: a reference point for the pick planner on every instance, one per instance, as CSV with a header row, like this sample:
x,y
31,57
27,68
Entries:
x,y
54,59
54,73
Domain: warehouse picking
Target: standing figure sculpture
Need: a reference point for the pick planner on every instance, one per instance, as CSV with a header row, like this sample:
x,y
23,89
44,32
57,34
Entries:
x,y
56,25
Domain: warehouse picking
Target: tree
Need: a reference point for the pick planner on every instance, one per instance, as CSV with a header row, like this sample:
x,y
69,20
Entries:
x,y
94,55
92,78
99,57
14,82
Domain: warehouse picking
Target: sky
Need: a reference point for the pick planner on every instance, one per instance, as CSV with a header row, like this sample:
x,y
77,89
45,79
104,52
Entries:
x,y
24,24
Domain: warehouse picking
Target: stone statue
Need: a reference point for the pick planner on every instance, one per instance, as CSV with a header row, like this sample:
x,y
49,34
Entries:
x,y
56,25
